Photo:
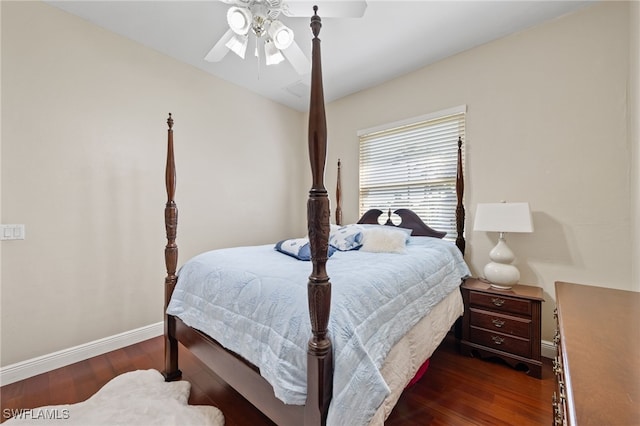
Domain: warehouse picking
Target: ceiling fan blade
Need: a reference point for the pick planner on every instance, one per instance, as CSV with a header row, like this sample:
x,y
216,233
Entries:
x,y
220,49
326,9
297,59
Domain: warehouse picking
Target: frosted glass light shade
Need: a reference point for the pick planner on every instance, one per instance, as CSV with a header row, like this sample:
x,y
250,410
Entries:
x,y
272,54
239,19
238,45
281,35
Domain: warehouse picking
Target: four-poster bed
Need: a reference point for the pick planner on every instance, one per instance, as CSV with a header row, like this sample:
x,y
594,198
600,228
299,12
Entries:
x,y
348,362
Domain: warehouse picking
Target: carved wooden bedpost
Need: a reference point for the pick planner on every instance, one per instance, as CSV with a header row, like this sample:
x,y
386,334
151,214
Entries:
x,y
460,242
171,371
339,197
319,353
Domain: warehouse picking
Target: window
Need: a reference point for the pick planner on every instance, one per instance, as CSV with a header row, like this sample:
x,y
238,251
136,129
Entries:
x,y
413,164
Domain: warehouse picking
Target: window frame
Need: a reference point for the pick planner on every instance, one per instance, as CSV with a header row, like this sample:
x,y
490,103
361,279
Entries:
x,y
442,214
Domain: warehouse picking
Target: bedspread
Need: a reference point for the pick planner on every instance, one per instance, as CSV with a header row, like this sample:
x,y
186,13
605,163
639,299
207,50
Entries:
x,y
253,301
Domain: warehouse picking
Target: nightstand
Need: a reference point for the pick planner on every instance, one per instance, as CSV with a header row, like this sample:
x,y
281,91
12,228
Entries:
x,y
503,323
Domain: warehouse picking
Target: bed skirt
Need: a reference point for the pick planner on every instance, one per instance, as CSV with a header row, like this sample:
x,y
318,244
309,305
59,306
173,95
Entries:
x,y
415,347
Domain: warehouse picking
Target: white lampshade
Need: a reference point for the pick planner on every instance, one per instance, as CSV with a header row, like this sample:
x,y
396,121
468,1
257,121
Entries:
x,y
281,35
502,217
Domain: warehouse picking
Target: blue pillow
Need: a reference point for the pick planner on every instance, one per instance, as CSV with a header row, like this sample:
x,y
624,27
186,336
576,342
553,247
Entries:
x,y
298,248
348,237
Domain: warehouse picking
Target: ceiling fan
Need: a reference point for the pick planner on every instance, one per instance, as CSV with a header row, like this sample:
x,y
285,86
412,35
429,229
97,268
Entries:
x,y
260,18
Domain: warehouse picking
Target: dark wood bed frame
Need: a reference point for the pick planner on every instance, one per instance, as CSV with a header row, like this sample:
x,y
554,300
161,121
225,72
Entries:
x,y
237,372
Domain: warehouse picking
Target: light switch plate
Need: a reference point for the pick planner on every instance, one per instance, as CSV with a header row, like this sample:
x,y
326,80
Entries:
x,y
12,232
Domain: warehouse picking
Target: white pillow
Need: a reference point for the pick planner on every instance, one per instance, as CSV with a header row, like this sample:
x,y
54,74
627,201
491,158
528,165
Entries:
x,y
383,239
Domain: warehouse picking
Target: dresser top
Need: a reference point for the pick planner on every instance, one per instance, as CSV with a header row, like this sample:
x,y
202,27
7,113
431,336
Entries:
x,y
600,341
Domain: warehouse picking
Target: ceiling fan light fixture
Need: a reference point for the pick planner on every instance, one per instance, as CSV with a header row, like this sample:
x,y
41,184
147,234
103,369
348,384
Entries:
x,y
238,44
239,19
272,54
281,35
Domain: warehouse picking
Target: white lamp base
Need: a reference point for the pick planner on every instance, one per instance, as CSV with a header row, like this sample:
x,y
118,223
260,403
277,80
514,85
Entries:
x,y
500,272
501,276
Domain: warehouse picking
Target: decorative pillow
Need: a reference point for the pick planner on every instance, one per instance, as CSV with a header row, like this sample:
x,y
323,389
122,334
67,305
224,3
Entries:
x,y
298,248
348,237
383,239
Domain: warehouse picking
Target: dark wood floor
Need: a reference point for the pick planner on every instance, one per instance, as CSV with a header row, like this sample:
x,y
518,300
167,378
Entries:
x,y
456,390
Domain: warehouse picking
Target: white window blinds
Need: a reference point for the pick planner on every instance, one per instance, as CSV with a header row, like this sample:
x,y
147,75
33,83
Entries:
x,y
413,164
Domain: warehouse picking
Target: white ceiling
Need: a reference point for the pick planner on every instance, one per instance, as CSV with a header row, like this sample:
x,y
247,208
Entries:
x,y
391,39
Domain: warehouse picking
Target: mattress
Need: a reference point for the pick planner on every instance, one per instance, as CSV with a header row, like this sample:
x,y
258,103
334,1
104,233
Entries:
x,y
253,301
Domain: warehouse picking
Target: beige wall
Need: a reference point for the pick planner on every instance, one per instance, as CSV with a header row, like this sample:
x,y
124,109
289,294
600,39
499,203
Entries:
x,y
83,149
547,123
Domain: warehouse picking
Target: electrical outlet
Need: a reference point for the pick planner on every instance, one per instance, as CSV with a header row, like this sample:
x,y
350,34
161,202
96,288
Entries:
x,y
12,232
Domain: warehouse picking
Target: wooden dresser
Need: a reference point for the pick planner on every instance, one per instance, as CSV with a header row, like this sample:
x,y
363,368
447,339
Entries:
x,y
598,362
503,323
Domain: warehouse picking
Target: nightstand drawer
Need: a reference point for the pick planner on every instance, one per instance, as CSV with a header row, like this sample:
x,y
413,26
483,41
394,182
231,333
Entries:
x,y
500,323
501,303
502,342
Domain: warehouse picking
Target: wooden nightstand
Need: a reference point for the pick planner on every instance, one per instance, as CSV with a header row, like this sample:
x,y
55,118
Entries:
x,y
503,323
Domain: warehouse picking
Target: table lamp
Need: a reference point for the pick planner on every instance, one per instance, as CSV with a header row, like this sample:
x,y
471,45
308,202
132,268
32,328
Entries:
x,y
502,217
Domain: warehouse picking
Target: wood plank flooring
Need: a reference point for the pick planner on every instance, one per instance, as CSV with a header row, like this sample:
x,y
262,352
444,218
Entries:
x,y
456,390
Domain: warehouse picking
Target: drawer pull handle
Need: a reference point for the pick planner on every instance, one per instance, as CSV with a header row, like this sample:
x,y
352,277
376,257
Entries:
x,y
497,340
497,322
497,301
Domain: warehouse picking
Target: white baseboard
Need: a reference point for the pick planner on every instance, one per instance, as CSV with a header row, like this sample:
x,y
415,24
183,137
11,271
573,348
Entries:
x,y
42,364
548,349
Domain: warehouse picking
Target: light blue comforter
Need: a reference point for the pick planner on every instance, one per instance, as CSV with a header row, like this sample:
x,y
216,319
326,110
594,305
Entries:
x,y
253,301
